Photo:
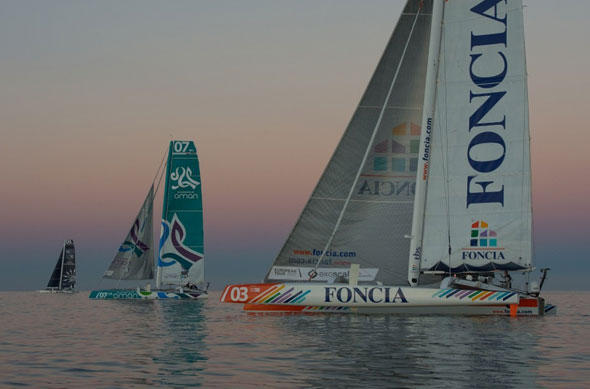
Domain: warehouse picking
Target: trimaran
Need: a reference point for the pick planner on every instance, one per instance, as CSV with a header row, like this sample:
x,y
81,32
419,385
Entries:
x,y
430,184
180,259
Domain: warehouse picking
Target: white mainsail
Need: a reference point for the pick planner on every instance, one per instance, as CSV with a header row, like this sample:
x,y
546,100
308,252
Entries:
x,y
478,203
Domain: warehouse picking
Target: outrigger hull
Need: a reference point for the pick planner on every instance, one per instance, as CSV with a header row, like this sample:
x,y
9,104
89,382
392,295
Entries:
x,y
135,294
369,299
51,291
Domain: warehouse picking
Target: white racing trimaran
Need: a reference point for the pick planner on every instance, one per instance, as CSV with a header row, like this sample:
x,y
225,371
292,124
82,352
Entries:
x,y
430,184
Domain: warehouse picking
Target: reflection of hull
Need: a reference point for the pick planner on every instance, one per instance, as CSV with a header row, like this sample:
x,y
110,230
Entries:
x,y
366,299
66,291
138,294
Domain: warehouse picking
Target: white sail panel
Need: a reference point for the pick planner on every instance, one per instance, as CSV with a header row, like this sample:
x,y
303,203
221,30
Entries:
x,y
135,257
478,207
361,208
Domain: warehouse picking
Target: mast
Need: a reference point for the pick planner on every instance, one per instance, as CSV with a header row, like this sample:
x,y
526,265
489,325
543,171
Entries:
x,y
61,273
415,254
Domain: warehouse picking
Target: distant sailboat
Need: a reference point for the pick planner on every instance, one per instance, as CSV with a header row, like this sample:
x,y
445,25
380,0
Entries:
x,y
430,184
180,265
63,278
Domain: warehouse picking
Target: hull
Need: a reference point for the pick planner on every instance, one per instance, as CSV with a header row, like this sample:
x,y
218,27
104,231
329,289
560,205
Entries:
x,y
65,291
137,294
365,299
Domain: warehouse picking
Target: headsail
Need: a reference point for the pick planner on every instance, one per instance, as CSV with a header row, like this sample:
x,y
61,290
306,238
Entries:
x,y
181,258
64,272
135,257
478,207
361,208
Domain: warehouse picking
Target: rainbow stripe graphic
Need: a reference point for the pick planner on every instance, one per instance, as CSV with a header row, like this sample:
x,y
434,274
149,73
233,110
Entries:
x,y
474,295
277,295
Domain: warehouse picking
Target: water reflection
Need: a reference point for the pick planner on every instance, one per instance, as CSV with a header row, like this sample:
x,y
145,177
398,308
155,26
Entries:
x,y
71,341
182,329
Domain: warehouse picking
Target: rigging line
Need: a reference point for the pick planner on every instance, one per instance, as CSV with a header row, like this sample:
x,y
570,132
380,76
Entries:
x,y
128,257
371,140
159,180
158,171
526,145
446,158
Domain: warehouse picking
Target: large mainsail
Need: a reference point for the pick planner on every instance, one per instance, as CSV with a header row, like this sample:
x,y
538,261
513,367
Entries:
x,y
361,209
135,257
64,272
180,259
478,202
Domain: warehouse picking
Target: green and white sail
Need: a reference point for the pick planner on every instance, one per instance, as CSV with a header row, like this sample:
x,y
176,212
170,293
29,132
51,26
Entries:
x,y
181,247
361,209
135,257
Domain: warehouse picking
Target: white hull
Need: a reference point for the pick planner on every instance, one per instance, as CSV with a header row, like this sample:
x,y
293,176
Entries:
x,y
367,299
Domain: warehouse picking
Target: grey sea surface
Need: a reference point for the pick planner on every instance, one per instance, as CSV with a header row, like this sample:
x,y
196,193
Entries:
x,y
71,341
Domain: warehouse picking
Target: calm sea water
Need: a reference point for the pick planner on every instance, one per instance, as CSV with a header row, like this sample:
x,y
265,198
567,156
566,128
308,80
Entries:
x,y
71,341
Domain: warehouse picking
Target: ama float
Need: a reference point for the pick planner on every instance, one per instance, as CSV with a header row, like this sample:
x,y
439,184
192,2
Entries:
x,y
445,115
180,263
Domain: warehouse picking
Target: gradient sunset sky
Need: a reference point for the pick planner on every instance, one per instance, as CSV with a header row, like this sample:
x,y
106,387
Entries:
x,y
92,91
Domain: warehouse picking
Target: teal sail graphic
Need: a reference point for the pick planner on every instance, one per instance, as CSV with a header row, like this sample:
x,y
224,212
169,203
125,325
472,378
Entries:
x,y
180,258
135,257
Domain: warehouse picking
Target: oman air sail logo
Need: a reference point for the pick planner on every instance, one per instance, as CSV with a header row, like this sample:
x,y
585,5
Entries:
x,y
183,178
172,247
483,243
133,243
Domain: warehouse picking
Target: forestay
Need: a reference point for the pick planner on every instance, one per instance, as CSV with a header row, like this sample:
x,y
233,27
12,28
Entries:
x,y
181,258
478,202
361,208
135,257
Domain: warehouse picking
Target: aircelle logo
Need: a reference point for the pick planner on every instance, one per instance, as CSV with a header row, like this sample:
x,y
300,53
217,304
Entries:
x,y
182,178
483,242
374,294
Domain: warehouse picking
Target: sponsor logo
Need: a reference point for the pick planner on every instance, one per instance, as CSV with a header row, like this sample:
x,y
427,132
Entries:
x,y
172,247
426,155
295,273
183,177
488,68
374,295
329,253
392,169
134,244
310,257
483,243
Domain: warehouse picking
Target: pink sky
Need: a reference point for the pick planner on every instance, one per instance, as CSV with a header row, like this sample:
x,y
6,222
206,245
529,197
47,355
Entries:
x,y
92,92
